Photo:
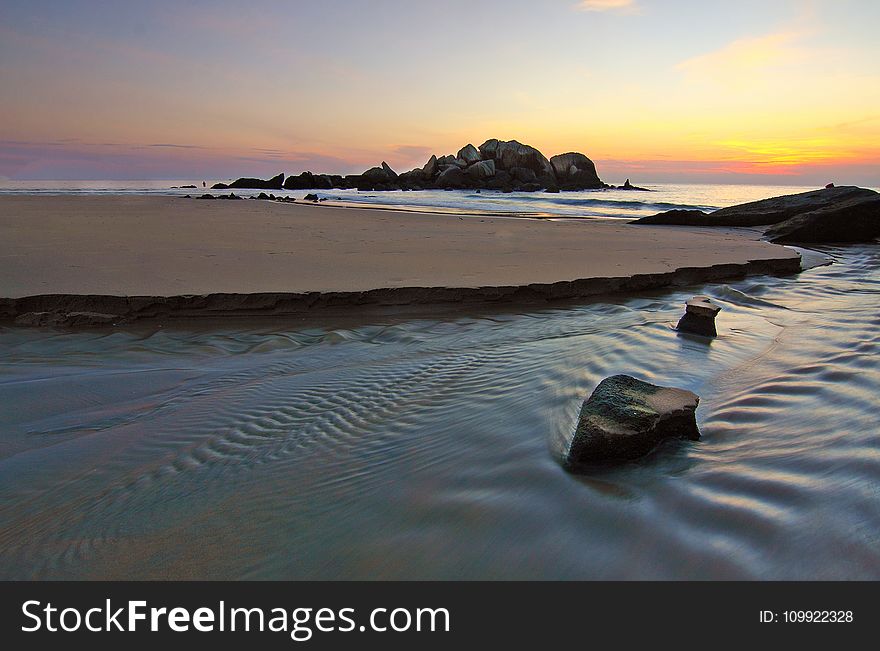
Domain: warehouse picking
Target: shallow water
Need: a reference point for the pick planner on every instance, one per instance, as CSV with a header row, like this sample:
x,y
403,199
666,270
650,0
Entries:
x,y
607,203
427,448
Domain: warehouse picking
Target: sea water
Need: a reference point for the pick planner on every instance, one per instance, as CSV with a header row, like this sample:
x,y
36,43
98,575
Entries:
x,y
428,447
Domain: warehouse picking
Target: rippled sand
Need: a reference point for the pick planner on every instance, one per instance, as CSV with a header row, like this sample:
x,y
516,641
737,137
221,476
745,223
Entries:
x,y
427,448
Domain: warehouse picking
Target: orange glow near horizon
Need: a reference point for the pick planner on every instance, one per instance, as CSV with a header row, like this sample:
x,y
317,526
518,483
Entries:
x,y
639,86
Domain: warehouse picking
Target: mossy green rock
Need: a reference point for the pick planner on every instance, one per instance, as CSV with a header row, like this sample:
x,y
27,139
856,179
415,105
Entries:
x,y
626,418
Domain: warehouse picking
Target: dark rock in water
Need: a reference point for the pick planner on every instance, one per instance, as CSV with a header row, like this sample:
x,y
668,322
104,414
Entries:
x,y
575,171
856,220
469,154
311,197
553,190
187,196
207,196
377,178
275,183
231,197
309,181
183,187
572,171
263,196
699,317
766,211
625,418
629,186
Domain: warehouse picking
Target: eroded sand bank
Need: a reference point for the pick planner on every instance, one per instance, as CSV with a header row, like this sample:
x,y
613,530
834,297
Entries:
x,y
141,256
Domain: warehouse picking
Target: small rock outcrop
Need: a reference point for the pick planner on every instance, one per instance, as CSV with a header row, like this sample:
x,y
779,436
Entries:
x,y
625,418
699,317
275,183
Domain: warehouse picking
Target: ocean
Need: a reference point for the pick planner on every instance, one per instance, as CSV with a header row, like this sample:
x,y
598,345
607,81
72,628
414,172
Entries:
x,y
428,447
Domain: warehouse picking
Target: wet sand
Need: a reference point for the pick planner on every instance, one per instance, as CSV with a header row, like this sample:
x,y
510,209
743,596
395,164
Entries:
x,y
265,256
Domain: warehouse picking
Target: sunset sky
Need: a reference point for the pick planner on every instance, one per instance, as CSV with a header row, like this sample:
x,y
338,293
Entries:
x,y
655,90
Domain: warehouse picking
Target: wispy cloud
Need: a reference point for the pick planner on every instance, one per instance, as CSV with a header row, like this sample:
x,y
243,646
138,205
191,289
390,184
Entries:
x,y
626,6
745,60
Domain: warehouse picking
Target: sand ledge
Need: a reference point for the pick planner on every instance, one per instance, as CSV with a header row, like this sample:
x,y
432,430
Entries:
x,y
85,309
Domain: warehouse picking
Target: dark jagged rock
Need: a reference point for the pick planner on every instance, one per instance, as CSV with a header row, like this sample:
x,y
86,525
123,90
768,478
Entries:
x,y
206,196
183,187
430,168
392,175
629,186
699,317
764,212
378,178
308,181
263,196
855,220
625,418
311,197
275,183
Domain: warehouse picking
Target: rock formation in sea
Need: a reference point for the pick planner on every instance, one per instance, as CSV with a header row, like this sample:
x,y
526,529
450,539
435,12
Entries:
x,y
699,317
504,165
625,418
275,183
834,214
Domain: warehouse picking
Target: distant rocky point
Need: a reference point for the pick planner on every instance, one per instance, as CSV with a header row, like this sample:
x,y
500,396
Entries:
x,y
503,165
840,214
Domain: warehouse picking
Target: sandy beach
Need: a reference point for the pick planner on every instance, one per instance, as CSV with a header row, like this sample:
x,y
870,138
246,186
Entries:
x,y
167,246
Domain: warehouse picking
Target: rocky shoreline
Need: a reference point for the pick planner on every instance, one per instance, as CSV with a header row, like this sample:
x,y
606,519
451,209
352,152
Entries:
x,y
845,214
501,165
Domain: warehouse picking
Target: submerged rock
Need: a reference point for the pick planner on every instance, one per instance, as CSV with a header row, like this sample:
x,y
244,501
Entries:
x,y
699,317
626,418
